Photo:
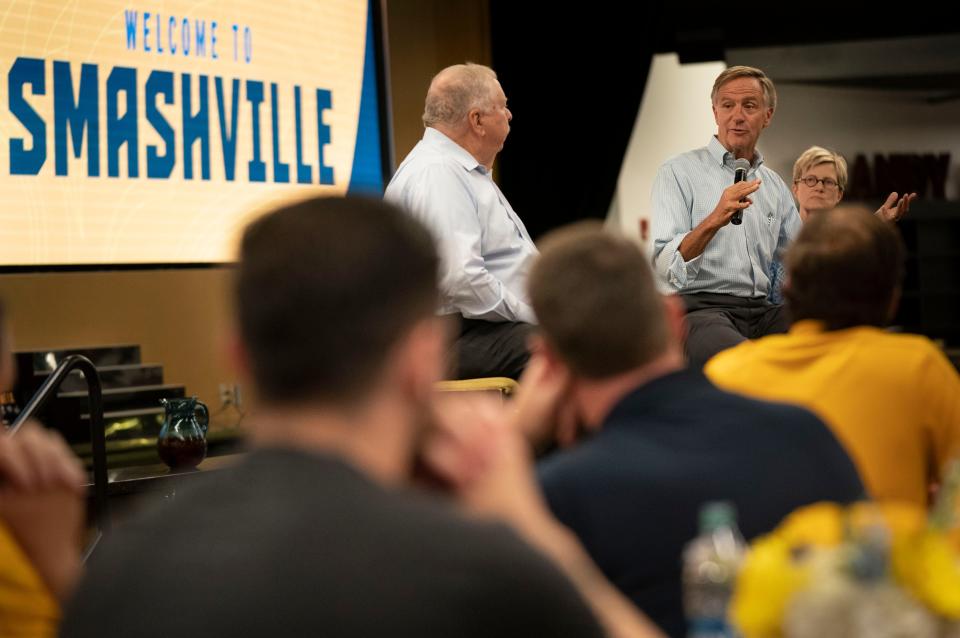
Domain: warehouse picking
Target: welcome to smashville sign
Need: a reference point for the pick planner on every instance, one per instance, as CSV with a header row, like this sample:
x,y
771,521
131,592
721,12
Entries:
x,y
148,133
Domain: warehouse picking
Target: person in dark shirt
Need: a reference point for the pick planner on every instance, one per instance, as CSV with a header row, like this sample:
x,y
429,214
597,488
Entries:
x,y
662,440
317,531
301,543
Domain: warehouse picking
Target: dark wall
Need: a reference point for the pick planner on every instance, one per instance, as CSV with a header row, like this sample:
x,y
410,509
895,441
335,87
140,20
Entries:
x,y
574,75
574,81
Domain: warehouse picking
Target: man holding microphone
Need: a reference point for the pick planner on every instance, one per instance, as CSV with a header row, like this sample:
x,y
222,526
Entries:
x,y
723,270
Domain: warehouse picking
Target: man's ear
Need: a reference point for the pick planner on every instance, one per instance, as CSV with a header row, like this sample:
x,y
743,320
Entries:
x,y
236,354
474,122
768,118
536,343
540,346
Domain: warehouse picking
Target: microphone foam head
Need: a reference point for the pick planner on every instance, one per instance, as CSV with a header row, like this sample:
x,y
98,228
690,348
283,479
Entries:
x,y
741,163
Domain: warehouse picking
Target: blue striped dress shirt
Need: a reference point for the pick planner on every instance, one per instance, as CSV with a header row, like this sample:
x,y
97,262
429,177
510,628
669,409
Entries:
x,y
739,259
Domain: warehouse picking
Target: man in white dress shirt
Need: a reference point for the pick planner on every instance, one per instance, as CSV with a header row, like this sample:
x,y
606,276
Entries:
x,y
485,249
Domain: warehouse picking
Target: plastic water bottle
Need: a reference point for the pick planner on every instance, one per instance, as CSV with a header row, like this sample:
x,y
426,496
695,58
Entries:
x,y
710,564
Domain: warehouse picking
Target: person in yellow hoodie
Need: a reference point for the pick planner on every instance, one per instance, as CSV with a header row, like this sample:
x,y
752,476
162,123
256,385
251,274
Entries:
x,y
893,400
41,513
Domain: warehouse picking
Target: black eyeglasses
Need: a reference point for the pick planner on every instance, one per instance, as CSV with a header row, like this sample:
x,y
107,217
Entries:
x,y
811,182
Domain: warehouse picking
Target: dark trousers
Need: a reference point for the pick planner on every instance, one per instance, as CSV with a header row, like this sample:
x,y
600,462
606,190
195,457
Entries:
x,y
717,322
491,349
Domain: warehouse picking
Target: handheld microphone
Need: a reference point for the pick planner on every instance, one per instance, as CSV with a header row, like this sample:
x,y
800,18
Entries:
x,y
741,166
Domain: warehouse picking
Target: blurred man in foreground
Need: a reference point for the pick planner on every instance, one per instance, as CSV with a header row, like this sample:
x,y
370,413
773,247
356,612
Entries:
x,y
316,531
663,440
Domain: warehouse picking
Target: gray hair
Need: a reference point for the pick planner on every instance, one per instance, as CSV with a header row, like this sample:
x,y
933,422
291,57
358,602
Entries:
x,y
456,90
734,72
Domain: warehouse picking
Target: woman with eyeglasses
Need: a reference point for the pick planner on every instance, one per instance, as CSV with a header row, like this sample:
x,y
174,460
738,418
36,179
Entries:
x,y
819,181
820,178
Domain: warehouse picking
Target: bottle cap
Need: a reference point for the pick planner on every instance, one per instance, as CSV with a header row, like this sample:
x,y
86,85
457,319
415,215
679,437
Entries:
x,y
717,514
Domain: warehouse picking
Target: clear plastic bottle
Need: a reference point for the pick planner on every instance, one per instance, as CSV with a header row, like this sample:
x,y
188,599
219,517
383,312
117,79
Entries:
x,y
710,565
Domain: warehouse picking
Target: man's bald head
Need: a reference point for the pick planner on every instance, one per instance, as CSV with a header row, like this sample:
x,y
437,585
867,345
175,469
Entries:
x,y
456,90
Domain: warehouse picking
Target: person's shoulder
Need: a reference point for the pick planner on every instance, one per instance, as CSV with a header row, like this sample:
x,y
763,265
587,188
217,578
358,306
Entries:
x,y
771,177
426,161
429,164
566,469
777,422
902,342
767,173
764,412
731,405
633,433
508,577
771,425
529,590
428,186
882,352
904,352
686,159
745,354
734,360
145,549
414,515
